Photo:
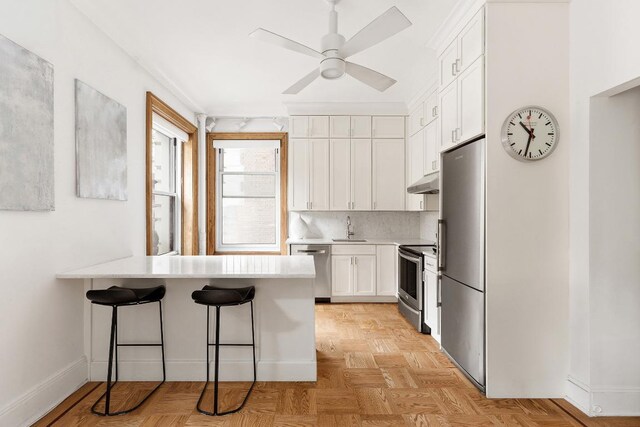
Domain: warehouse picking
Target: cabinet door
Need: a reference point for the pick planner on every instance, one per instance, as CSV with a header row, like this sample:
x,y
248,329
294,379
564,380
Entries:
x,y
299,174
471,101
431,151
319,173
430,304
340,126
388,175
342,275
361,174
360,126
416,119
447,64
299,127
364,277
415,169
388,127
471,41
431,108
340,174
319,127
386,274
448,101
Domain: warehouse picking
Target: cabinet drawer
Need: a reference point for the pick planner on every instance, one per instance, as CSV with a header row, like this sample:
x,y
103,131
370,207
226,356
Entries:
x,y
353,249
430,264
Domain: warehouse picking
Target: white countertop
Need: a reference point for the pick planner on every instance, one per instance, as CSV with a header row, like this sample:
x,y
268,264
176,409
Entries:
x,y
369,241
199,267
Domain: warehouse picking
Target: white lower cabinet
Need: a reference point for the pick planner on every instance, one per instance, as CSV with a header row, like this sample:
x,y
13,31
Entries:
x,y
364,275
341,275
430,303
386,270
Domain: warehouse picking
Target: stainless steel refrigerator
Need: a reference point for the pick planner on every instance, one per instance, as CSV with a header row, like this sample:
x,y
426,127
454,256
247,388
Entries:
x,y
461,258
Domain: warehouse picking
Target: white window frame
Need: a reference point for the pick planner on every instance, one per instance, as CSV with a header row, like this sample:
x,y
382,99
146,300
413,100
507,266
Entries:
x,y
219,145
178,138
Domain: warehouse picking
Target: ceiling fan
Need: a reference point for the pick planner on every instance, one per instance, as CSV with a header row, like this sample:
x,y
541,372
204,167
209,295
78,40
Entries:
x,y
335,50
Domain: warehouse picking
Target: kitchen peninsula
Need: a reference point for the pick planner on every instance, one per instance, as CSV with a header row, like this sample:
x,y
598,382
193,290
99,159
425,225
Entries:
x,y
284,317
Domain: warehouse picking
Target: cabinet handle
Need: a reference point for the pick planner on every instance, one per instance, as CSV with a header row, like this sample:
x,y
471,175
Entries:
x,y
421,204
355,260
453,135
435,111
421,121
351,260
458,136
453,68
458,65
310,205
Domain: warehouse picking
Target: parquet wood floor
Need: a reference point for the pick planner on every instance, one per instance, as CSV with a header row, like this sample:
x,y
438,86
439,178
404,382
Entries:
x,y
373,370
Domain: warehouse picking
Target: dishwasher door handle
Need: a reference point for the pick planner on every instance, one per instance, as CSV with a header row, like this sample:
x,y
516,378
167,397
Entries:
x,y
312,251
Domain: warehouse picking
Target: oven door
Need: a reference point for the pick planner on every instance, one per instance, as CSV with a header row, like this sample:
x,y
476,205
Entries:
x,y
410,279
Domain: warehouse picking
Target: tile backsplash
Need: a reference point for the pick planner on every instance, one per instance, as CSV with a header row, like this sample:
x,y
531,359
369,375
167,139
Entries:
x,y
365,224
429,225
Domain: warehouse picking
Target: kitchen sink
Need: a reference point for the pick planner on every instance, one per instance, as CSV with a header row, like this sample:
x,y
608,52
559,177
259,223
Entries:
x,y
350,240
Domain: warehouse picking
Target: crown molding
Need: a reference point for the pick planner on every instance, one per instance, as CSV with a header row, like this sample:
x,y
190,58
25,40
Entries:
x,y
346,108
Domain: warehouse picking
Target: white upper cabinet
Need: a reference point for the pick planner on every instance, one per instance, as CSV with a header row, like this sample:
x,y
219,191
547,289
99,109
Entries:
x,y
471,101
319,127
431,149
340,174
340,126
415,169
299,174
388,126
361,126
388,179
309,174
448,100
431,108
361,174
471,41
319,174
447,64
299,127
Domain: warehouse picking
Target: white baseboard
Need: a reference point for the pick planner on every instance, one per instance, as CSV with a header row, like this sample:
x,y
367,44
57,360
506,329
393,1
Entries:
x,y
375,299
42,398
194,370
603,401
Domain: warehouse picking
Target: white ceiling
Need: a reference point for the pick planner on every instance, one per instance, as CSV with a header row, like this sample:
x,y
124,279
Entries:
x,y
202,48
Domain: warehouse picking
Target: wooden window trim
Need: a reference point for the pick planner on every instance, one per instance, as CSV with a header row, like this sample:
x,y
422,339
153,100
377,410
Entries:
x,y
211,186
189,243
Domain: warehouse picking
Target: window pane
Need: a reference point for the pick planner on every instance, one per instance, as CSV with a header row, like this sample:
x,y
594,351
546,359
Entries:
x,y
248,221
248,186
163,220
249,160
162,153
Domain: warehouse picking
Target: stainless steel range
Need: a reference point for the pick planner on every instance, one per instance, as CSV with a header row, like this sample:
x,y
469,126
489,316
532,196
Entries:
x,y
411,283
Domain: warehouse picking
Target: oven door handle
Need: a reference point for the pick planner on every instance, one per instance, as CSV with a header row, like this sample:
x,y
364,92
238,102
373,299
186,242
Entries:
x,y
409,257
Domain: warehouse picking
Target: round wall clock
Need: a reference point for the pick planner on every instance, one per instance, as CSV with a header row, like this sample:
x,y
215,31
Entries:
x,y
530,133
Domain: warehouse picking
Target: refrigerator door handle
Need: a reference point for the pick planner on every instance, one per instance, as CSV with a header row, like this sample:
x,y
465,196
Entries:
x,y
438,292
441,244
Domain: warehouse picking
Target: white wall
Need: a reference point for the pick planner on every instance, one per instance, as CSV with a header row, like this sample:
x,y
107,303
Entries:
x,y
41,360
604,55
527,295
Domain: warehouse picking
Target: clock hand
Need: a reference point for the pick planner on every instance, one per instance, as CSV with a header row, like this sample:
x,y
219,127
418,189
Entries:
x,y
526,150
525,128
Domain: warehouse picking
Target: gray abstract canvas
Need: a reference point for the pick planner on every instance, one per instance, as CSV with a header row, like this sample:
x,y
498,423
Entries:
x,y
101,145
26,130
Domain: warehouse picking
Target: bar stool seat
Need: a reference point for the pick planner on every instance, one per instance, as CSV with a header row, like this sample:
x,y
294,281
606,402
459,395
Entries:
x,y
222,296
213,296
115,297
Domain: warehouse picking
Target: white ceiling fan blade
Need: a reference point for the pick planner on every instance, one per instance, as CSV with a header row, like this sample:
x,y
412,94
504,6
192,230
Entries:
x,y
303,82
269,37
384,26
369,77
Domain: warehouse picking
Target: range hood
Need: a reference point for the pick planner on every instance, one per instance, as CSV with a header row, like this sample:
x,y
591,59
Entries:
x,y
428,184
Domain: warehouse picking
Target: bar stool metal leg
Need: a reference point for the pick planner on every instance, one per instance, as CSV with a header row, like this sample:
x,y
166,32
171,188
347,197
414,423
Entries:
x,y
113,351
217,346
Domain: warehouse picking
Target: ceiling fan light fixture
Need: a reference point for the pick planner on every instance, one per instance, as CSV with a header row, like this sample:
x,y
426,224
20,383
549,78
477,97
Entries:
x,y
332,68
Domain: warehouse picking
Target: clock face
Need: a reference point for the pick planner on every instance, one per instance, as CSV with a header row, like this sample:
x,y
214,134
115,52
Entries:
x,y
530,133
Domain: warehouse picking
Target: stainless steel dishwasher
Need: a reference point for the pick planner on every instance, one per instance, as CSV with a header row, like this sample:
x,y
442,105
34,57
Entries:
x,y
322,259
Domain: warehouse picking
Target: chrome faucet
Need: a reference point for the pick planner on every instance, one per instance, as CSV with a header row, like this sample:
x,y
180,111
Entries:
x,y
349,232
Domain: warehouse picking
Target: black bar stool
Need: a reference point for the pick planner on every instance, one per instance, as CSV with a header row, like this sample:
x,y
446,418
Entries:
x,y
116,297
220,297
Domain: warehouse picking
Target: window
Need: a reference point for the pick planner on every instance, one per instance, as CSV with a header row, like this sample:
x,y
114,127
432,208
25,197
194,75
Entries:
x,y
171,181
248,196
166,196
246,193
